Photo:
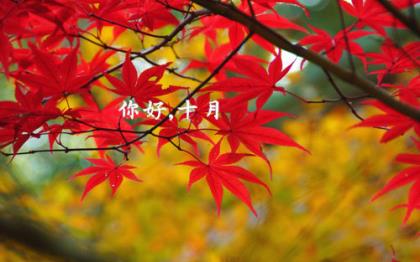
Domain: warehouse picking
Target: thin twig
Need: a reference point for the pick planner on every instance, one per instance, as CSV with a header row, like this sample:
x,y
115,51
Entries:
x,y
324,101
346,39
407,21
126,27
152,49
343,97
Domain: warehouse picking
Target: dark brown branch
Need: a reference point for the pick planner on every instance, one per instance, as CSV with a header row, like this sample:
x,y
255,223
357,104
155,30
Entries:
x,y
185,151
126,27
278,40
324,101
105,46
251,8
67,150
40,238
343,97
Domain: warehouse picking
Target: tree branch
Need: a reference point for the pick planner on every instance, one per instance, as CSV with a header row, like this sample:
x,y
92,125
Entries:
x,y
343,97
40,238
278,40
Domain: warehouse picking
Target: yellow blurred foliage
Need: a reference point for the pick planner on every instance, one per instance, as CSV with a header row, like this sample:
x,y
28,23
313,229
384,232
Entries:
x,y
319,210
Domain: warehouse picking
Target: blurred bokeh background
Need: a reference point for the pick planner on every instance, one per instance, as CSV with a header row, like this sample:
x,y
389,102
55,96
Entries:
x,y
320,209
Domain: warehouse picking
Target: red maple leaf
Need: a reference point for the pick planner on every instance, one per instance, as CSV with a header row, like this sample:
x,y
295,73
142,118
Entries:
x,y
150,14
397,123
413,87
409,175
20,120
171,129
103,169
334,46
237,31
143,88
201,112
258,82
53,77
6,52
102,121
395,60
371,13
49,20
214,56
242,127
271,3
219,173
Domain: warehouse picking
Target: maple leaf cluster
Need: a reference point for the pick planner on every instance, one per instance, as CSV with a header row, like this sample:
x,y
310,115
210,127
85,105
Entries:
x,y
41,54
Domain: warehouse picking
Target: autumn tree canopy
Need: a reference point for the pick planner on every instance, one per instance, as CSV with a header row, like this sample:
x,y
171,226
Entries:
x,y
219,99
